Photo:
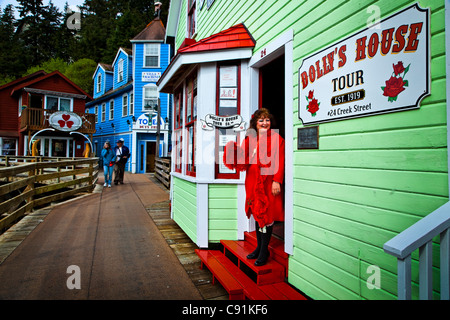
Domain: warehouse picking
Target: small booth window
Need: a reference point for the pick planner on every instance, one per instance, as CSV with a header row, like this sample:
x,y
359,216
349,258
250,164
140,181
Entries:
x,y
191,119
227,104
178,125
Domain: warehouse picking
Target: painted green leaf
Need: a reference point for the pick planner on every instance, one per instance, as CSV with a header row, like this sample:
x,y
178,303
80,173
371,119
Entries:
x,y
406,83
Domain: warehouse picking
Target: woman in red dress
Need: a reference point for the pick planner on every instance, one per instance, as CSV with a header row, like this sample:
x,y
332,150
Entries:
x,y
261,155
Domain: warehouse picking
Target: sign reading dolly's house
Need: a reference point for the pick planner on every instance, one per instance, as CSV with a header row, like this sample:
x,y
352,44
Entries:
x,y
384,68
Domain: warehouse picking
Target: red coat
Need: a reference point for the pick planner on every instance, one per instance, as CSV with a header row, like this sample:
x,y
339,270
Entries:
x,y
263,159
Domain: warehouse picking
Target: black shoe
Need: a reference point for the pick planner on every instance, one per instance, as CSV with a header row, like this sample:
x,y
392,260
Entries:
x,y
116,183
121,182
255,253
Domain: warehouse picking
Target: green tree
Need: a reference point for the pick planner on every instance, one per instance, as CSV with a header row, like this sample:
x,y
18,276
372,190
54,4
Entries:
x,y
81,73
38,26
49,66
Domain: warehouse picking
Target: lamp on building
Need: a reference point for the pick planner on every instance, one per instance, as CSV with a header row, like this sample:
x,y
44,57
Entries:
x,y
112,125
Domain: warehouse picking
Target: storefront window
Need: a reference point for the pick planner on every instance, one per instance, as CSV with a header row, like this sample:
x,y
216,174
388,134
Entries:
x,y
227,104
178,124
191,119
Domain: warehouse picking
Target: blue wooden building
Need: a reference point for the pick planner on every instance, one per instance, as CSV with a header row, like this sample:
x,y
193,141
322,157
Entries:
x,y
126,99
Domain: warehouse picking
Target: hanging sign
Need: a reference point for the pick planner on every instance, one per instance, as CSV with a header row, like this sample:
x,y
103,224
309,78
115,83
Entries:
x,y
380,69
212,121
145,121
151,76
65,121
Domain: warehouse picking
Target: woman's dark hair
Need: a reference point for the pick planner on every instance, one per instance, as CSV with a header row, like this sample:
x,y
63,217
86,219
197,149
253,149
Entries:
x,y
261,113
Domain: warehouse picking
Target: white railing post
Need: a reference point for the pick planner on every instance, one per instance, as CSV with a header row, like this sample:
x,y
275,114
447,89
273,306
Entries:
x,y
445,264
404,278
426,271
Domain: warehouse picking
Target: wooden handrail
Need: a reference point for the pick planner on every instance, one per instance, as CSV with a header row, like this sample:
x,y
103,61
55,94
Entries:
x,y
19,194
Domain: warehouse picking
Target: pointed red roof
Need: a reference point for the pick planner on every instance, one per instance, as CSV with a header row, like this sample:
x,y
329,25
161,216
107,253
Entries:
x,y
235,37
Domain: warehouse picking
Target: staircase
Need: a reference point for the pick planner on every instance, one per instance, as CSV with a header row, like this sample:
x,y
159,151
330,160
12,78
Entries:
x,y
241,278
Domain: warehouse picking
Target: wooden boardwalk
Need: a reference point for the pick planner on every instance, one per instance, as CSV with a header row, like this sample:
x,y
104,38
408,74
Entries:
x,y
121,252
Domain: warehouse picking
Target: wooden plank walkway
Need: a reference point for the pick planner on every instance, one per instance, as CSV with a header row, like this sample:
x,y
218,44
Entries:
x,y
119,249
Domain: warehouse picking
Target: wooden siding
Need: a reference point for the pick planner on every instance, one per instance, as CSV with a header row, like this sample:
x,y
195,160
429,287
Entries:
x,y
121,56
138,56
372,177
222,215
184,206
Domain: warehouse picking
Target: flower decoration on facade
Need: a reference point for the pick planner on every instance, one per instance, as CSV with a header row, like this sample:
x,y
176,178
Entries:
x,y
396,83
65,121
313,104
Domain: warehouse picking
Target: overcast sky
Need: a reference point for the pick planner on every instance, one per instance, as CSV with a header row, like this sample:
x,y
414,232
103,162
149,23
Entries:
x,y
59,3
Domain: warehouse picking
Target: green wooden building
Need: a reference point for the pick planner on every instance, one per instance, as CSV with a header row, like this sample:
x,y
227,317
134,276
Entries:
x,y
359,92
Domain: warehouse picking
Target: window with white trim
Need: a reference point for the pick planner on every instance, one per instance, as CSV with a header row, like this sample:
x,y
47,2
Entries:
x,y
124,105
131,103
96,114
151,55
99,82
111,110
120,71
103,112
58,103
150,98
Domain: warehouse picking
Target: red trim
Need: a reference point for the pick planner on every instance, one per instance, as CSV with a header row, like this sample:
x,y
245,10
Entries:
x,y
232,63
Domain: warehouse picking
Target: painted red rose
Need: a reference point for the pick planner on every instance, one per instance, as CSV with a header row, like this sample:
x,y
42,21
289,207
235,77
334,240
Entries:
x,y
311,94
398,68
393,87
313,106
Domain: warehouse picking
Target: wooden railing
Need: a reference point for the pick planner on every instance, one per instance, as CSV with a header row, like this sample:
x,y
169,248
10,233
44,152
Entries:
x,y
162,171
37,119
420,236
30,182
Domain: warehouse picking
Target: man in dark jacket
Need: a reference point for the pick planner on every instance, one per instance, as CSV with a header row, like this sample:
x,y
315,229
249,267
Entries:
x,y
122,154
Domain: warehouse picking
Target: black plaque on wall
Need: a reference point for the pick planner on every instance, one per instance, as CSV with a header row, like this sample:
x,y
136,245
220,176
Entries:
x,y
308,138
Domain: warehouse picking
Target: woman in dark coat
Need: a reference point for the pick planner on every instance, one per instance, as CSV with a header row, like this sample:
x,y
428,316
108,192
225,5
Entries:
x,y
261,155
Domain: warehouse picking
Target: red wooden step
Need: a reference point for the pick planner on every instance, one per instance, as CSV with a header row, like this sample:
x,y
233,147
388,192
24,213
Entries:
x,y
251,289
271,272
231,285
276,248
281,291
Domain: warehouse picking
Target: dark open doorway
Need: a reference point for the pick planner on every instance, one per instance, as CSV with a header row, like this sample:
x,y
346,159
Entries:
x,y
271,96
271,91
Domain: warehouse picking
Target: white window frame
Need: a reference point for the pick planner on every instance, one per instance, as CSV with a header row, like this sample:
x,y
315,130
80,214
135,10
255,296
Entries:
x,y
131,103
120,70
152,85
96,114
103,109
99,83
125,106
111,110
59,103
158,45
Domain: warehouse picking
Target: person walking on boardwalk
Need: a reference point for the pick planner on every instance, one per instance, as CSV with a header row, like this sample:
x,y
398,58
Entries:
x,y
122,154
109,158
261,155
